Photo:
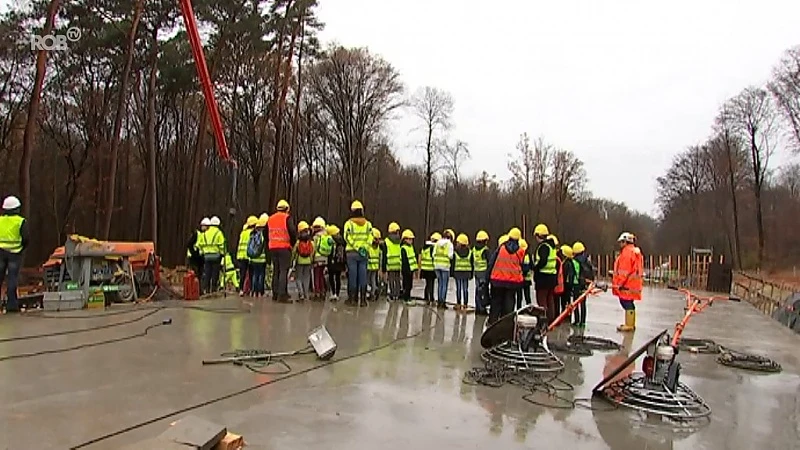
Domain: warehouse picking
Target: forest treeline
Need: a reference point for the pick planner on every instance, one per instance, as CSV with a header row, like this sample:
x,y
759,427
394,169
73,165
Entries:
x,y
111,139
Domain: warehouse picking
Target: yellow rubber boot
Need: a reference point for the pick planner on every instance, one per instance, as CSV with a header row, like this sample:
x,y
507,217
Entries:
x,y
630,321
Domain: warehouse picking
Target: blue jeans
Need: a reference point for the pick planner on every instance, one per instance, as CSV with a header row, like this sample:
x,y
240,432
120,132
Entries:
x,y
627,305
442,278
356,272
11,262
462,291
258,272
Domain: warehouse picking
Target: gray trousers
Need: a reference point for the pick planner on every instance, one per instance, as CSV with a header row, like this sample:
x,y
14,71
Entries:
x,y
372,280
395,289
302,278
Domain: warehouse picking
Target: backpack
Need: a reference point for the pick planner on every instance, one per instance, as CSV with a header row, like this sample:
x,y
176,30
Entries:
x,y
305,248
255,246
338,254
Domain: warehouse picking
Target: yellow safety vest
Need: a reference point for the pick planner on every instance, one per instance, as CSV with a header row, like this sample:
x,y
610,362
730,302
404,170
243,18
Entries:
x,y
549,268
374,261
211,242
527,262
426,259
358,237
412,257
480,262
393,263
441,256
244,239
463,264
11,233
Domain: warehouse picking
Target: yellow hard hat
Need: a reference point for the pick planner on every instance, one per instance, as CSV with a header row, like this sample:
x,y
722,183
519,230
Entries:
x,y
264,216
566,250
356,205
333,230
578,248
515,234
283,205
482,236
553,238
319,222
302,226
450,232
435,236
502,239
523,244
252,220
262,221
541,230
407,234
376,233
394,227
462,239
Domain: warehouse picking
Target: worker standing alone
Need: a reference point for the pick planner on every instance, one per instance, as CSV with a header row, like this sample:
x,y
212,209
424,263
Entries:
x,y
241,253
463,267
408,259
480,256
627,279
303,257
374,264
442,265
505,275
281,237
545,271
358,236
14,240
391,264
426,266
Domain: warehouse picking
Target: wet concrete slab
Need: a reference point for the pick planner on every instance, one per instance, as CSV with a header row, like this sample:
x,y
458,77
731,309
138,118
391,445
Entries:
x,y
409,395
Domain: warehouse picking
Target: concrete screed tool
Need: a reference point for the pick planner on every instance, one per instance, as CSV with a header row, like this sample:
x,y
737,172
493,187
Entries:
x,y
657,389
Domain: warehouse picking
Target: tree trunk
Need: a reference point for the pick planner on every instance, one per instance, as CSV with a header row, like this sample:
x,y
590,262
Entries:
x,y
33,111
276,116
115,138
296,118
428,179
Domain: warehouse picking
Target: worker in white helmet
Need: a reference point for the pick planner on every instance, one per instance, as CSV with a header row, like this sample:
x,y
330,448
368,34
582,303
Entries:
x,y
13,241
212,247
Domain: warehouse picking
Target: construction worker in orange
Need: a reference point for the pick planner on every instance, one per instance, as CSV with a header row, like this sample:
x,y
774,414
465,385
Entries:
x,y
281,237
505,275
627,281
545,270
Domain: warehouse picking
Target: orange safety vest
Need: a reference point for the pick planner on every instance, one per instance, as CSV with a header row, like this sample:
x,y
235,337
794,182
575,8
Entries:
x,y
628,270
508,266
278,231
559,289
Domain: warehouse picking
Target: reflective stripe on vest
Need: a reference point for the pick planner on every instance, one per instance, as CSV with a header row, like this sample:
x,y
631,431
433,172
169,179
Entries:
x,y
11,233
357,236
507,266
244,239
441,256
527,261
480,262
393,262
412,257
549,268
374,254
278,231
426,259
211,242
463,264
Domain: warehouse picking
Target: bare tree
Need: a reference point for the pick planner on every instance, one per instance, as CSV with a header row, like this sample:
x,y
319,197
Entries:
x,y
681,188
567,181
521,165
454,155
789,179
753,118
785,87
542,157
434,108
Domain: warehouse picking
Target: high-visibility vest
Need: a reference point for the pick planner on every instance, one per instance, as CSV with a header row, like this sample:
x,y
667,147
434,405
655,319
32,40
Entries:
x,y
279,231
481,264
441,256
576,279
357,236
527,261
559,277
628,270
374,254
230,275
244,239
426,259
393,263
323,246
549,268
11,233
412,257
211,242
508,266
463,264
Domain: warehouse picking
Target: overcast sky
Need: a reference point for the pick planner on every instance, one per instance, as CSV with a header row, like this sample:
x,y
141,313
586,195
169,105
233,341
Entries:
x,y
623,84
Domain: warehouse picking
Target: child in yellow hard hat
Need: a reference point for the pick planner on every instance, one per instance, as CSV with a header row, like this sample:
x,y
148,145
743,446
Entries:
x,y
374,264
408,260
302,259
570,277
585,271
323,247
426,266
463,267
391,265
480,258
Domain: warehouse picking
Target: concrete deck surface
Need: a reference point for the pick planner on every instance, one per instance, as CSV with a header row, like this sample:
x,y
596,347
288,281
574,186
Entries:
x,y
409,395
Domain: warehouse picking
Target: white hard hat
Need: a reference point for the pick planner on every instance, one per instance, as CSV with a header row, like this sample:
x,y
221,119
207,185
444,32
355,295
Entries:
x,y
625,237
11,202
215,221
264,216
206,222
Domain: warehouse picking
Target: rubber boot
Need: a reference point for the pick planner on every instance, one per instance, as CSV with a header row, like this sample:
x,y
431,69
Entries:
x,y
630,321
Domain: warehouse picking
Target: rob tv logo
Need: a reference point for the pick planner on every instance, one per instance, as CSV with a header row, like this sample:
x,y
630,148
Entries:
x,y
55,42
